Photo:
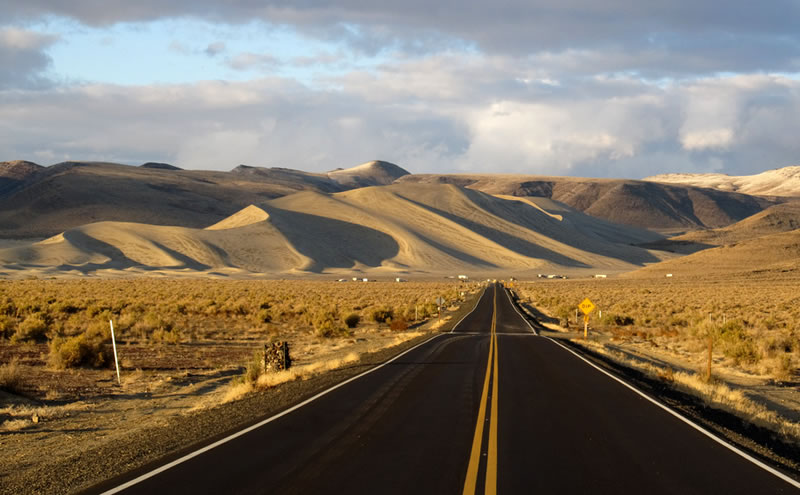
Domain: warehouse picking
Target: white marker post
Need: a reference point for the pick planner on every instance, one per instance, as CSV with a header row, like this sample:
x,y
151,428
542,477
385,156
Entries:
x,y
114,345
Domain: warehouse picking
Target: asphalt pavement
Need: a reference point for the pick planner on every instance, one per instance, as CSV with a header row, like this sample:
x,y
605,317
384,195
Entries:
x,y
490,407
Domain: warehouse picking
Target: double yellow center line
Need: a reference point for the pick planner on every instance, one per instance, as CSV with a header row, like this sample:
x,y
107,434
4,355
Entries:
x,y
471,483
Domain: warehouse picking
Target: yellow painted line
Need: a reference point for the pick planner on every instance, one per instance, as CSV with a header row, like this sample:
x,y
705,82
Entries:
x,y
471,483
491,461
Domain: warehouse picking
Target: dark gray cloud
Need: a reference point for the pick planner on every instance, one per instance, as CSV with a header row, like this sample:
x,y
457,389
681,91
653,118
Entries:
x,y
576,87
23,58
665,37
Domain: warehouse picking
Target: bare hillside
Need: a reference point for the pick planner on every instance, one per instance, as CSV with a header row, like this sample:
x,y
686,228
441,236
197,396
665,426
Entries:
x,y
770,254
778,182
774,220
16,173
629,202
40,201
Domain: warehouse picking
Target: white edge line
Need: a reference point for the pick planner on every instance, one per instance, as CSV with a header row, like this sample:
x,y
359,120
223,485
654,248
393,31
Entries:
x,y
465,316
686,420
239,433
520,314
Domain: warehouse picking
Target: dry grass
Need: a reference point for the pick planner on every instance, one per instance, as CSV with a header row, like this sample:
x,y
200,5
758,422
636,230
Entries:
x,y
11,376
172,311
239,389
753,322
174,333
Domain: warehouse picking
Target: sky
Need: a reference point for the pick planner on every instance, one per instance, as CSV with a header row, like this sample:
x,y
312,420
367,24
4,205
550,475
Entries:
x,y
593,88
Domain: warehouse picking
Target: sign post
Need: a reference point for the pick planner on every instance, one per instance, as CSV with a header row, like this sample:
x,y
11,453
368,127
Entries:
x,y
439,303
587,307
114,345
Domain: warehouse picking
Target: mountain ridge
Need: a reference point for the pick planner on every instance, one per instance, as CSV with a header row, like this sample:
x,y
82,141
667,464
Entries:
x,y
783,181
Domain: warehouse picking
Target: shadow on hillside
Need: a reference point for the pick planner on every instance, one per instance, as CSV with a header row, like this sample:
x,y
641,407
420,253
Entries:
x,y
679,247
331,243
508,241
118,259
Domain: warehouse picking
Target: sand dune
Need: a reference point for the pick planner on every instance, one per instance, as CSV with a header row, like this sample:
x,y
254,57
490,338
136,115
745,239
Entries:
x,y
374,173
248,216
384,229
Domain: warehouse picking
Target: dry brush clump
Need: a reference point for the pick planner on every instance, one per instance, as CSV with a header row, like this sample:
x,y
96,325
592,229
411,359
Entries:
x,y
754,324
91,348
72,316
11,377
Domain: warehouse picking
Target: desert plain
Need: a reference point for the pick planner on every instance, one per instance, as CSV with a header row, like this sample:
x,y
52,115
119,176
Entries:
x,y
197,271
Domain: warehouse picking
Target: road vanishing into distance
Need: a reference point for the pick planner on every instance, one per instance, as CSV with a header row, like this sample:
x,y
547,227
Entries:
x,y
488,408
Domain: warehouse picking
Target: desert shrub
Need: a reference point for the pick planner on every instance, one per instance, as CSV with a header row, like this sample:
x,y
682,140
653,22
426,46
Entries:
x,y
163,336
85,349
94,309
352,320
11,377
326,324
399,324
674,321
742,351
264,315
382,314
126,321
8,308
254,367
564,312
237,308
155,326
33,327
429,309
618,320
785,370
777,345
65,307
7,326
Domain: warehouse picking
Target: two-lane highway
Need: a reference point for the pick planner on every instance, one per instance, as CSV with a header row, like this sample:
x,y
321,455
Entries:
x,y
490,407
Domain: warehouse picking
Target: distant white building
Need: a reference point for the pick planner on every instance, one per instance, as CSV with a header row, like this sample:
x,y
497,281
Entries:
x,y
463,277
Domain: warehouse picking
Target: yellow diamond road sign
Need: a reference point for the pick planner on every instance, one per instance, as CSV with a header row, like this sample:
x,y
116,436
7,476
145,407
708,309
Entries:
x,y
586,306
